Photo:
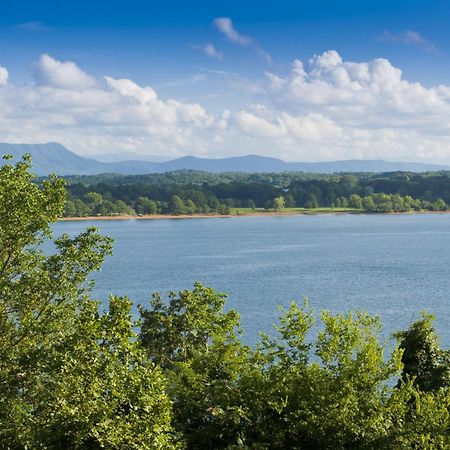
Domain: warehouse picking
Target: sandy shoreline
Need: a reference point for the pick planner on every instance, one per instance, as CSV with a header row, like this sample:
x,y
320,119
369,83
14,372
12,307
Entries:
x,y
189,216
228,216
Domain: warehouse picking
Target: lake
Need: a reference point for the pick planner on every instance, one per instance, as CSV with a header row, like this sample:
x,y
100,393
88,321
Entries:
x,y
390,265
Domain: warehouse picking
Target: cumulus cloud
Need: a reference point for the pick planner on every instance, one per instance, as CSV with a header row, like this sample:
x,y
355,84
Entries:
x,y
308,127
408,37
333,109
258,126
63,74
349,90
91,116
323,108
142,104
128,88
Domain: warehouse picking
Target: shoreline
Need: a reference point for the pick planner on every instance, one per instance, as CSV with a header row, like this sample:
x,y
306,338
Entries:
x,y
191,216
229,216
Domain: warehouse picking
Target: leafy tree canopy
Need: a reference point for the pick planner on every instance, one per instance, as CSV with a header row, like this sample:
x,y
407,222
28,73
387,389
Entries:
x,y
71,377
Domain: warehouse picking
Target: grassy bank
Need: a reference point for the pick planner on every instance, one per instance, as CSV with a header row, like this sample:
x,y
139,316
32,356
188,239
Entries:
x,y
235,212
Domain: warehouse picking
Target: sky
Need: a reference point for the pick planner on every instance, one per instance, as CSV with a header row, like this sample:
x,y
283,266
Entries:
x,y
298,80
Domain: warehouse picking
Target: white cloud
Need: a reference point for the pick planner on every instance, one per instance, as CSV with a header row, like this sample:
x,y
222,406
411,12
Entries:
x,y
225,26
3,76
322,109
64,74
409,37
128,88
91,116
309,127
142,103
258,126
334,109
346,90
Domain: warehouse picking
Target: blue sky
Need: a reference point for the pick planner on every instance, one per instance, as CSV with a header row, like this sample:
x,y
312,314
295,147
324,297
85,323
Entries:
x,y
223,77
145,35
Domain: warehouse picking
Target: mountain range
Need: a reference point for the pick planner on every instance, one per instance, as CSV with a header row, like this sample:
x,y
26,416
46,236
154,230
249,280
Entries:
x,y
55,158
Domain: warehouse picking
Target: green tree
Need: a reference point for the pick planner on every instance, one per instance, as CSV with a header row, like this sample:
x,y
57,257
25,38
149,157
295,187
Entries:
x,y
368,203
290,201
107,208
344,202
198,197
423,360
398,203
122,208
355,201
214,204
70,209
191,207
71,377
340,399
195,341
177,206
81,208
439,205
278,203
312,201
144,205
93,201
224,209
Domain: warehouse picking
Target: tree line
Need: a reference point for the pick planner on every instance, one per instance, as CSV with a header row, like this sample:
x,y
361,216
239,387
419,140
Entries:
x,y
77,375
184,192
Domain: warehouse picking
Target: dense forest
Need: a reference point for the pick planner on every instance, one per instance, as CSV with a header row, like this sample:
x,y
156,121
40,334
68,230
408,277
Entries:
x,y
190,192
78,374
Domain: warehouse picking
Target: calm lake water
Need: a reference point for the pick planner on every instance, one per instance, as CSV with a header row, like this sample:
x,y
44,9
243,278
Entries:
x,y
390,265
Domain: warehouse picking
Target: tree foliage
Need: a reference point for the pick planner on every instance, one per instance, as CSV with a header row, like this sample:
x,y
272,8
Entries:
x,y
71,377
334,391
76,375
188,192
423,360
195,341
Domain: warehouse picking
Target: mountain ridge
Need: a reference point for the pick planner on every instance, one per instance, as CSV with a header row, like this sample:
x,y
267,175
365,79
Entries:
x,y
53,157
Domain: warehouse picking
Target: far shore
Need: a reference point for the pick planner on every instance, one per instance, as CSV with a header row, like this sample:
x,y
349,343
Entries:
x,y
241,214
195,216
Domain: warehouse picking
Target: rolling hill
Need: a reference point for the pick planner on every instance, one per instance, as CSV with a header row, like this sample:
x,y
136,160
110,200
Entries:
x,y
55,158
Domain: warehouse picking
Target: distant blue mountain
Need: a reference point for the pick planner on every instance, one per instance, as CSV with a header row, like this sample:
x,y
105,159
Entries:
x,y
55,158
